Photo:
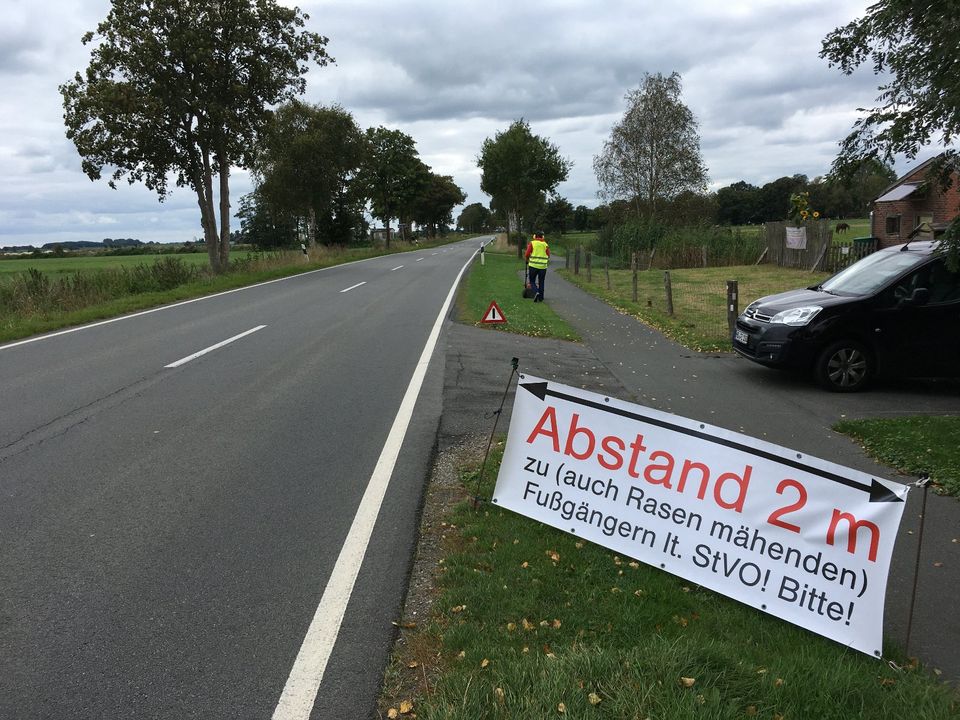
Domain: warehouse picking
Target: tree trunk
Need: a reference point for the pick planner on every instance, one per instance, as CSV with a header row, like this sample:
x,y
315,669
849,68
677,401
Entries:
x,y
312,227
210,226
224,213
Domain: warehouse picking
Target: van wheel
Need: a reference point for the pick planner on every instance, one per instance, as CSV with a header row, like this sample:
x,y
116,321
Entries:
x,y
844,366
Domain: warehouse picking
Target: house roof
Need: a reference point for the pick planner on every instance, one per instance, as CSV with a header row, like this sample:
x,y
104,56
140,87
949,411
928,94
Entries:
x,y
898,193
902,180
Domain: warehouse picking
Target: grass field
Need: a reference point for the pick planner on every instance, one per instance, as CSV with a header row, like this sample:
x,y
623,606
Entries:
x,y
89,263
533,623
699,297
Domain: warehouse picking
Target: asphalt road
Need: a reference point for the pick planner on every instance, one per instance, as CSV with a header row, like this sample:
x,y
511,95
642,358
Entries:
x,y
170,521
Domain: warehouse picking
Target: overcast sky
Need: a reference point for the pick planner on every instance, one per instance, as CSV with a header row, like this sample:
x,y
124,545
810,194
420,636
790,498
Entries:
x,y
451,74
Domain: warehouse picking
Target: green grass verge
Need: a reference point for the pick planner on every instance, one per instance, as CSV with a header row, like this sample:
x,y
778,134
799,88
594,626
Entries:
x,y
14,326
500,279
922,445
699,320
533,623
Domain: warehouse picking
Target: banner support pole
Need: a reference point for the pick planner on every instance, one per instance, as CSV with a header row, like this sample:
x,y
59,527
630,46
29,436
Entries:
x,y
514,363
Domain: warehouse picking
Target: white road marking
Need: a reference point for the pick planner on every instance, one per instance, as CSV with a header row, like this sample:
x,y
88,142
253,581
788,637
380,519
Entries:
x,y
432,254
397,267
300,692
219,345
353,287
419,259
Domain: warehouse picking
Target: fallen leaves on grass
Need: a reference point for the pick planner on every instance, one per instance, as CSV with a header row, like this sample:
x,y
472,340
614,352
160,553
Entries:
x,y
594,699
688,682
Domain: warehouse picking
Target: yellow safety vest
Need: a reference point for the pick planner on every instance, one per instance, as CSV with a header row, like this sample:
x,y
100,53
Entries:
x,y
538,256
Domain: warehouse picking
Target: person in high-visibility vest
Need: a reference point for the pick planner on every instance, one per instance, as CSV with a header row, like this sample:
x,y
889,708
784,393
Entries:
x,y
537,257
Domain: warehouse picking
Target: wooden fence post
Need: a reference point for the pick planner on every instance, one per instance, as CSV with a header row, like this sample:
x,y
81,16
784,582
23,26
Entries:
x,y
576,261
633,266
668,288
703,253
567,254
606,269
589,273
733,304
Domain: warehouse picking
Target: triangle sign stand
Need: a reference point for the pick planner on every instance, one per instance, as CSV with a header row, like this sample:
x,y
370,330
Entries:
x,y
493,314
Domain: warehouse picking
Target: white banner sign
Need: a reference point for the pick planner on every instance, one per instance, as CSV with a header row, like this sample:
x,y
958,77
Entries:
x,y
800,538
797,238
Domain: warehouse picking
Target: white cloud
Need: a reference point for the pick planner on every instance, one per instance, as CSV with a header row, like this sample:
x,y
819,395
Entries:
x,y
453,74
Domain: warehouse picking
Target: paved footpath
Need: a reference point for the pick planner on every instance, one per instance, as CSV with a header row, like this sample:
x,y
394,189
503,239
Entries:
x,y
727,391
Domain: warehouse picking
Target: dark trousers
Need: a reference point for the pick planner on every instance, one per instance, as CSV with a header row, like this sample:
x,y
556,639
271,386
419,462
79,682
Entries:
x,y
537,277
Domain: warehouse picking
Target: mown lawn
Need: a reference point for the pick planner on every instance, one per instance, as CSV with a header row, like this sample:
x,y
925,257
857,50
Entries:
x,y
531,622
925,445
500,279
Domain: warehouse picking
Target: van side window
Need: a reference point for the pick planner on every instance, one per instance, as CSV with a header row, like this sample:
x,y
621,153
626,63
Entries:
x,y
943,284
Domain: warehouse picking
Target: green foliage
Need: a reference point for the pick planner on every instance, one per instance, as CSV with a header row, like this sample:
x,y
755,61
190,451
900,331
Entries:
x,y
912,47
675,246
432,207
518,168
924,445
653,153
181,90
306,161
392,174
475,218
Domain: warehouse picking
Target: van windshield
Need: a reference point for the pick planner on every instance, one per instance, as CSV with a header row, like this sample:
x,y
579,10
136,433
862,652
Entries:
x,y
872,273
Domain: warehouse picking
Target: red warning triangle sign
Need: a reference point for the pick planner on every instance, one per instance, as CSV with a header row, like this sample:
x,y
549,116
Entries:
x,y
493,314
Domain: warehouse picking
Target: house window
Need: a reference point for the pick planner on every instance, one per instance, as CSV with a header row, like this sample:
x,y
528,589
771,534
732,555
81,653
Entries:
x,y
893,225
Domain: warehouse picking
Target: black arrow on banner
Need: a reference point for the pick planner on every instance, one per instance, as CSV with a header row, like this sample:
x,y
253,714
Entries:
x,y
877,491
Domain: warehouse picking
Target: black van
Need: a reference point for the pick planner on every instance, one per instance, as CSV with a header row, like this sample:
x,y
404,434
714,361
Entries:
x,y
895,312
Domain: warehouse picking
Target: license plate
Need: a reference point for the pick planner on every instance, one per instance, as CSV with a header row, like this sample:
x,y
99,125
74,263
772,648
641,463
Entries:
x,y
740,336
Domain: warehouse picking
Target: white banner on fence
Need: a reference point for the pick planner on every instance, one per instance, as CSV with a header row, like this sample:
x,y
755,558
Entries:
x,y
797,238
800,538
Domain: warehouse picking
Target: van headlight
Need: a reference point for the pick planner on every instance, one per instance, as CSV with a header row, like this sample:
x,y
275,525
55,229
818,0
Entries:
x,y
796,316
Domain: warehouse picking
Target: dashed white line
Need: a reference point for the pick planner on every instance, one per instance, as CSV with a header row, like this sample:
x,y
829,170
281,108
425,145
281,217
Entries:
x,y
353,287
419,259
188,358
397,268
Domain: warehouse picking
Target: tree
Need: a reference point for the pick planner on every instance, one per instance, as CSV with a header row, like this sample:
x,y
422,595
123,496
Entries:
x,y
392,173
263,225
558,215
518,167
582,218
183,89
653,153
475,218
738,204
773,200
305,164
913,45
432,206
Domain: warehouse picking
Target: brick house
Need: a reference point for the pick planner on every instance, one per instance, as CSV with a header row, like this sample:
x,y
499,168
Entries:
x,y
908,203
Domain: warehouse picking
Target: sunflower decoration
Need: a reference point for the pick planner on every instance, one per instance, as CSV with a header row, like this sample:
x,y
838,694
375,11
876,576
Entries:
x,y
800,211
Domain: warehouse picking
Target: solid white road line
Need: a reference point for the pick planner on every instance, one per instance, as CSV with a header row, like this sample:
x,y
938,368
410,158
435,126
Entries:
x,y
397,268
352,287
219,345
300,692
